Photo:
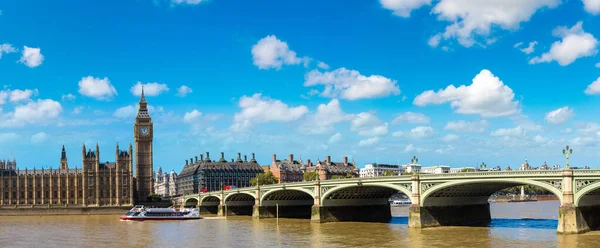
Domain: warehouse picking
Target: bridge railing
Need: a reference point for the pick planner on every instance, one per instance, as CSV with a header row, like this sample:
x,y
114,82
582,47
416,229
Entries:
x,y
535,173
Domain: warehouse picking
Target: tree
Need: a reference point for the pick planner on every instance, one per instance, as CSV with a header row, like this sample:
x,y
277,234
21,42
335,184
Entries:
x,y
264,179
310,176
154,198
389,173
467,170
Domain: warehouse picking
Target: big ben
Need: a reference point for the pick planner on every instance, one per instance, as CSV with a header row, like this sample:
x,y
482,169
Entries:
x,y
143,150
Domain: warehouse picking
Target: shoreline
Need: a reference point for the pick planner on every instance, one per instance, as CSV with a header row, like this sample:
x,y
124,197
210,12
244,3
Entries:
x,y
52,211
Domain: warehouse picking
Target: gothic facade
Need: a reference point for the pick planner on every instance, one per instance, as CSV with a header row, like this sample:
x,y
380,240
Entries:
x,y
165,184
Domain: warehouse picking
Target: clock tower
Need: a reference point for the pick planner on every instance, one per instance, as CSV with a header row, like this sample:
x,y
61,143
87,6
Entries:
x,y
143,150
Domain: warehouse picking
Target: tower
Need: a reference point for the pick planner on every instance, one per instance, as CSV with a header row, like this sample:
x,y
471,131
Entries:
x,y
63,160
143,150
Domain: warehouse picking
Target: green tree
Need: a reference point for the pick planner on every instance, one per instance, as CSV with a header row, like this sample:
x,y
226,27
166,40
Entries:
x,y
310,176
154,198
467,170
388,173
264,179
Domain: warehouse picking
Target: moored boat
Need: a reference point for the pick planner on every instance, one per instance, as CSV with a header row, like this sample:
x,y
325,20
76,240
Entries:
x,y
141,213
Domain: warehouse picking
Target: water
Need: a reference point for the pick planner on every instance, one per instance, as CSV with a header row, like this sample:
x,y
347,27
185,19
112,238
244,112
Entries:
x,y
530,224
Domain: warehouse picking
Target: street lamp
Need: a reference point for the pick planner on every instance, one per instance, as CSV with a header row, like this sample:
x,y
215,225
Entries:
x,y
567,152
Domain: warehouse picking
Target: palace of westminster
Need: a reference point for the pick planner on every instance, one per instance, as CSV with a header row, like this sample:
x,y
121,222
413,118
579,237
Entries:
x,y
95,184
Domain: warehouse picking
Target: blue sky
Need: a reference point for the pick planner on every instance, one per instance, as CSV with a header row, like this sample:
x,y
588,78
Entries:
x,y
366,79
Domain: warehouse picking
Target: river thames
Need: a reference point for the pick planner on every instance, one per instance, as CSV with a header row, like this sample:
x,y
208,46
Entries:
x,y
530,224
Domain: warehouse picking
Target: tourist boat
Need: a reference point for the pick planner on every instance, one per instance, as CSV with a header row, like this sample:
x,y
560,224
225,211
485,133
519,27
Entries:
x,y
400,203
141,213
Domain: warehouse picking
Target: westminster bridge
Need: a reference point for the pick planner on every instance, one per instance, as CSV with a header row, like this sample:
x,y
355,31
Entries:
x,y
450,199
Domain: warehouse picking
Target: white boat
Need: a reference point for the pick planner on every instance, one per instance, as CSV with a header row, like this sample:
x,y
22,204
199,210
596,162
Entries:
x,y
141,213
400,203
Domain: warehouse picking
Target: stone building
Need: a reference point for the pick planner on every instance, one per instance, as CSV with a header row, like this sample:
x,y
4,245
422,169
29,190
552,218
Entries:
x,y
288,170
165,184
327,168
95,184
377,170
206,174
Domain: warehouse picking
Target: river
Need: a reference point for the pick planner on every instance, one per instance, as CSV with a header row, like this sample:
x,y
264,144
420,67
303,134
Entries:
x,y
528,224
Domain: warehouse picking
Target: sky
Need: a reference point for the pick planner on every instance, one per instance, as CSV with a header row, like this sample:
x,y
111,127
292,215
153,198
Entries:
x,y
453,82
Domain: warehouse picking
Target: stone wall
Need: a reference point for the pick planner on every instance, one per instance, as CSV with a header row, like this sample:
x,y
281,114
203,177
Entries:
x,y
368,213
465,215
21,211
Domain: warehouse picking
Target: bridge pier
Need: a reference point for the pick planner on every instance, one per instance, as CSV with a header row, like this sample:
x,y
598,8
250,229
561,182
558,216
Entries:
x,y
359,213
461,215
571,219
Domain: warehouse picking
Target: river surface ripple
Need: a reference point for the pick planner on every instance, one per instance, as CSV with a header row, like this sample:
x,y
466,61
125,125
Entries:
x,y
528,224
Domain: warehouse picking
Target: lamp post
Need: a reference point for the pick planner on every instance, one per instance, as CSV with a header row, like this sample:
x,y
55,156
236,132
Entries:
x,y
567,152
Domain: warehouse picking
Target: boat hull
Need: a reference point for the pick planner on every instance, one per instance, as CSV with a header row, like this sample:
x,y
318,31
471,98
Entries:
x,y
158,218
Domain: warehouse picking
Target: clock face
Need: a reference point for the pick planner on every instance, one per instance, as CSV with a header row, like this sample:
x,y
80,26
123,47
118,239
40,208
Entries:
x,y
144,131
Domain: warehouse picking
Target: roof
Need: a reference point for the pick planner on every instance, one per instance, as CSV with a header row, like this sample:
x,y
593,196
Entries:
x,y
287,165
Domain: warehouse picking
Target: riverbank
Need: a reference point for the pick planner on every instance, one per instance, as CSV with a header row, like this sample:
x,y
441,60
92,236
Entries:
x,y
62,210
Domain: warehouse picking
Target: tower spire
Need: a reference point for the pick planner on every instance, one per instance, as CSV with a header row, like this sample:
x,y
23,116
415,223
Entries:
x,y
143,98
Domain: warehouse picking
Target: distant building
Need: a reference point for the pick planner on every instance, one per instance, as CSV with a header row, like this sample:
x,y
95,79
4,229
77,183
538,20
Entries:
x,y
461,169
525,166
377,170
206,174
328,169
413,168
165,184
288,170
439,169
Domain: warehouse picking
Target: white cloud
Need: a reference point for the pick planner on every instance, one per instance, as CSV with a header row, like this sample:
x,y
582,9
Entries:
x,y
335,138
68,97
416,133
434,41
597,65
130,111
512,132
592,6
8,137
560,115
150,89
100,89
324,120
451,137
367,124
518,45
259,109
403,8
31,57
322,65
39,137
584,141
529,49
183,91
575,44
22,95
411,148
192,115
6,49
190,2
445,150
34,112
486,96
593,88
539,139
472,21
78,109
410,117
369,142
351,85
270,52
467,127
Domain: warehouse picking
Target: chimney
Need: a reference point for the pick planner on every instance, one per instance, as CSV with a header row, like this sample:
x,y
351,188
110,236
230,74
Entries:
x,y
245,159
186,162
274,157
196,158
207,157
291,157
191,160
328,159
308,163
201,157
345,160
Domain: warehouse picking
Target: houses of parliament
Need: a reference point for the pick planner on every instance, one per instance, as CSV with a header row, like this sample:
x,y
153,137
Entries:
x,y
95,184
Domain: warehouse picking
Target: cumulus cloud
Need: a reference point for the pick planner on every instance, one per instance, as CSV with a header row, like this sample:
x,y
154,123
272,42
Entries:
x,y
403,8
412,118
190,2
467,127
560,115
335,138
183,91
192,115
367,124
451,137
130,111
270,52
259,109
22,95
445,150
529,49
416,133
513,132
412,148
486,96
597,65
592,6
100,89
31,57
68,97
322,65
324,120
593,88
39,137
369,142
472,22
575,44
6,49
34,112
351,85
150,89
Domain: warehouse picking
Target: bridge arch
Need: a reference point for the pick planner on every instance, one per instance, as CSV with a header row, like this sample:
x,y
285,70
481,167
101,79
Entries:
x,y
585,196
480,189
288,203
210,200
191,202
238,195
383,186
280,194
